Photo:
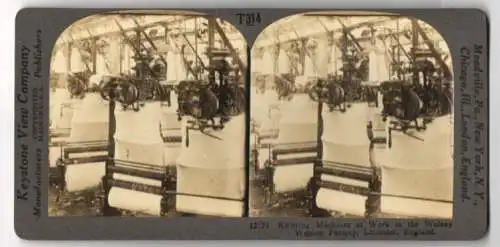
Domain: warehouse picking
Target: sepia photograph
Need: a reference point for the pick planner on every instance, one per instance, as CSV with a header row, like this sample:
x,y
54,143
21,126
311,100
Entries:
x,y
351,117
147,117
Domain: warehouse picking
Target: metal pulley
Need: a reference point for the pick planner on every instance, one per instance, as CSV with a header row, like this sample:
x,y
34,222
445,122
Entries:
x,y
121,90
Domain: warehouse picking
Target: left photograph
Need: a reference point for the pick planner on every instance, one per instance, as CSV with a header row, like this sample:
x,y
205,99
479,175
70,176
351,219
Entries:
x,y
148,117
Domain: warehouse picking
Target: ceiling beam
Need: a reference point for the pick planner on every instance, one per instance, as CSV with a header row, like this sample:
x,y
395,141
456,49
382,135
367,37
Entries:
x,y
321,33
110,29
436,54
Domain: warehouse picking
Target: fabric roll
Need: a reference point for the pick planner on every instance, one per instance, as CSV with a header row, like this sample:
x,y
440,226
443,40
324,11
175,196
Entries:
x,y
292,178
152,154
135,201
336,201
84,176
419,164
90,119
294,127
227,183
141,127
209,206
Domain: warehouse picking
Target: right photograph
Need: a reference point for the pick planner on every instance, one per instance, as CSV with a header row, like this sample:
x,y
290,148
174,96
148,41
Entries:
x,y
351,117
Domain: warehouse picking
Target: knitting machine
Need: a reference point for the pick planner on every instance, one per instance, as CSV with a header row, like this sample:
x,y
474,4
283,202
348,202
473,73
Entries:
x,y
330,92
130,171
78,83
425,96
284,85
157,181
75,154
56,142
426,75
279,180
219,97
354,69
79,139
326,176
435,93
125,176
126,173
144,84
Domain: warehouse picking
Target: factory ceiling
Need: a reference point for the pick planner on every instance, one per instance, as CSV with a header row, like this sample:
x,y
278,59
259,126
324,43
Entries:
x,y
319,25
110,24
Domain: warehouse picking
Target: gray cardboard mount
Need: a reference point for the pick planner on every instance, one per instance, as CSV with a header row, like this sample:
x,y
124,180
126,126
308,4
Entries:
x,y
466,32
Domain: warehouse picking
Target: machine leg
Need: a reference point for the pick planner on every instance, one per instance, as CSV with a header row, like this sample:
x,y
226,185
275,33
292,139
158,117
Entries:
x,y
61,170
106,210
374,200
313,208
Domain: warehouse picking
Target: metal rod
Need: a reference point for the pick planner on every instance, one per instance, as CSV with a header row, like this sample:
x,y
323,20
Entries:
x,y
379,140
289,144
366,192
195,50
178,49
268,136
227,42
160,191
85,143
351,189
135,186
85,149
265,145
411,197
150,41
344,173
292,150
171,192
138,165
347,166
198,59
136,172
401,48
131,44
85,160
294,161
350,35
400,70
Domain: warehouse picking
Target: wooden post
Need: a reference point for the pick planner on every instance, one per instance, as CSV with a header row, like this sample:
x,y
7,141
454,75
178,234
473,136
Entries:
x,y
93,54
106,187
314,187
414,50
69,51
211,41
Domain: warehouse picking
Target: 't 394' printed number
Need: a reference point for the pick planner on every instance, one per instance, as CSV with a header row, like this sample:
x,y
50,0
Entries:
x,y
249,19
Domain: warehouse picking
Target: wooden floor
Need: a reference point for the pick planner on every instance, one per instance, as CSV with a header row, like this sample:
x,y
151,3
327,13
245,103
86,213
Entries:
x,y
83,203
288,206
